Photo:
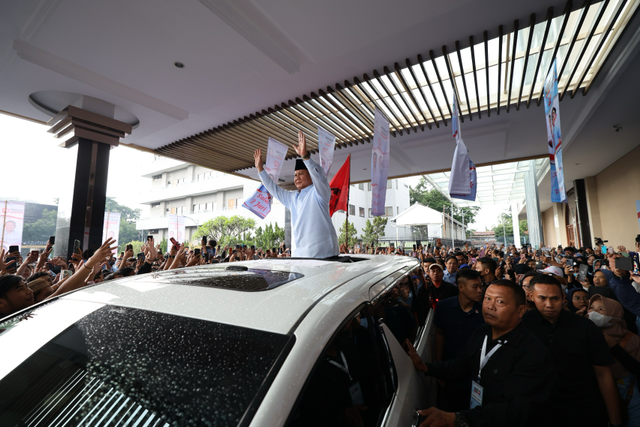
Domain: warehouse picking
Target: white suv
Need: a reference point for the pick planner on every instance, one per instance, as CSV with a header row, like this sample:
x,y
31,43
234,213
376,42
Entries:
x,y
278,342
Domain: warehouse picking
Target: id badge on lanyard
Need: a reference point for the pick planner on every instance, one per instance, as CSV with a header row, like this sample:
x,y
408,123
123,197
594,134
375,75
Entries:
x,y
477,391
354,389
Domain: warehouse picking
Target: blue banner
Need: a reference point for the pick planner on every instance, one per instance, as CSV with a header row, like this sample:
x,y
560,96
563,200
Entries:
x,y
554,135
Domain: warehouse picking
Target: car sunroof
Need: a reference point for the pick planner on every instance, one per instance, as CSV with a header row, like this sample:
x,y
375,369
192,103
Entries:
x,y
237,278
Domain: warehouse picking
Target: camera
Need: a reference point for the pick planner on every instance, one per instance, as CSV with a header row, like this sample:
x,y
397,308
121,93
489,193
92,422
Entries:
x,y
600,242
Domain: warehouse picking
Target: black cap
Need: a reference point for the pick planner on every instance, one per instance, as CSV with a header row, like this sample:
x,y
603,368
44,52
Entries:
x,y
300,165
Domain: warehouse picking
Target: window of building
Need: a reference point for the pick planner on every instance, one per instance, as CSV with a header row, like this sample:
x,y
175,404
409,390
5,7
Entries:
x,y
388,210
156,177
389,183
231,204
397,210
361,212
155,205
361,186
368,186
370,213
173,211
352,210
396,184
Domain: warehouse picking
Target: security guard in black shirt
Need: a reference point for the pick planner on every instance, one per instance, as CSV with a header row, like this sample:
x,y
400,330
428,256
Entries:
x,y
585,393
511,370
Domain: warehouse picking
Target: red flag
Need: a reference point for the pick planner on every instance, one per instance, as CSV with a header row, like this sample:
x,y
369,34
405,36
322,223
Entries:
x,y
340,188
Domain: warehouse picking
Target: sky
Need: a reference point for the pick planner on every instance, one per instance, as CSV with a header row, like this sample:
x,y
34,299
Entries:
x,y
34,171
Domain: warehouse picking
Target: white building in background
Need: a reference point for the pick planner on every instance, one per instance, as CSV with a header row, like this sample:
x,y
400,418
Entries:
x,y
197,193
397,201
433,224
202,194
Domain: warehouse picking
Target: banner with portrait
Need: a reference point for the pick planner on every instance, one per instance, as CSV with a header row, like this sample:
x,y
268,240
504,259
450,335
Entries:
x,y
176,229
260,201
326,143
12,223
554,135
379,164
111,228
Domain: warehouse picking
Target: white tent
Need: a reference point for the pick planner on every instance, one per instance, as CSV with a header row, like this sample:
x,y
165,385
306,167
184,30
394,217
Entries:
x,y
421,215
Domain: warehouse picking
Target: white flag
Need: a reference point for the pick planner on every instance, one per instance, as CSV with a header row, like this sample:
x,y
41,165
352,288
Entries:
x,y
379,164
460,179
326,143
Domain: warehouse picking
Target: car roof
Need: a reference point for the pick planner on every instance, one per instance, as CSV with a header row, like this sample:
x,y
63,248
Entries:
x,y
277,310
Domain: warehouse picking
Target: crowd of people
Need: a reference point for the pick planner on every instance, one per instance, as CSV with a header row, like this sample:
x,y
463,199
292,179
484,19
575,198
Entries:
x,y
562,322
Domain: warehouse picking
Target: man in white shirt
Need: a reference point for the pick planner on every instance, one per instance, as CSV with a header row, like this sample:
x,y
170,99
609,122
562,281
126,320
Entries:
x,y
313,233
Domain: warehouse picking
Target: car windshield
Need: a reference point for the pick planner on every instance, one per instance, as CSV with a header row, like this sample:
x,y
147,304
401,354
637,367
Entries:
x,y
123,366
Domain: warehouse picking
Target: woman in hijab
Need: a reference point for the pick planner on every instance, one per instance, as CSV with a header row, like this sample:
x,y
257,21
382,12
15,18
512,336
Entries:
x,y
601,279
577,301
608,315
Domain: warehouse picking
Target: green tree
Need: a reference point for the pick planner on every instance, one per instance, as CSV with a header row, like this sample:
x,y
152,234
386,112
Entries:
x,y
40,230
137,246
270,237
163,246
352,234
128,217
373,230
227,231
425,194
524,227
505,224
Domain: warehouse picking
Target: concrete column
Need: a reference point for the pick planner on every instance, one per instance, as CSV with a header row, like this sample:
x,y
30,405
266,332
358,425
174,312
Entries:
x,y
559,223
593,208
582,211
533,205
81,209
516,225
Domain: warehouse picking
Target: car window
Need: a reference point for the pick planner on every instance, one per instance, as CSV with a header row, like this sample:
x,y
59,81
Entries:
x,y
352,382
123,366
404,306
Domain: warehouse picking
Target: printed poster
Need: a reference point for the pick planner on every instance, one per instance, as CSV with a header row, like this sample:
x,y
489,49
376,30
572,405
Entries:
x,y
463,178
379,164
176,229
554,135
326,143
12,223
260,201
111,228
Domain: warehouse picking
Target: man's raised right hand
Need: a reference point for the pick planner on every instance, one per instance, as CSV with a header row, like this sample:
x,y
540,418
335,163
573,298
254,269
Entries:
x,y
257,157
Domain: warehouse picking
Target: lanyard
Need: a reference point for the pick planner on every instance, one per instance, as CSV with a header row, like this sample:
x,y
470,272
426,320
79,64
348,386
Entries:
x,y
484,357
344,368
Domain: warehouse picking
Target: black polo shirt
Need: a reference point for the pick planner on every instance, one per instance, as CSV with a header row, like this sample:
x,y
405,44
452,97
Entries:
x,y
516,379
442,292
456,324
576,344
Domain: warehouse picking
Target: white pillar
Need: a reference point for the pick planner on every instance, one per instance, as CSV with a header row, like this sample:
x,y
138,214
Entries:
x,y
516,224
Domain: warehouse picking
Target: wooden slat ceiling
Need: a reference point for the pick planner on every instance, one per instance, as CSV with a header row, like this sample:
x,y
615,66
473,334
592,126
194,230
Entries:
x,y
489,74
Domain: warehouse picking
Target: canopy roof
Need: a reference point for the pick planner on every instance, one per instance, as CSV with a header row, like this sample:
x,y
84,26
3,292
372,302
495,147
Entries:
x,y
499,184
416,94
419,214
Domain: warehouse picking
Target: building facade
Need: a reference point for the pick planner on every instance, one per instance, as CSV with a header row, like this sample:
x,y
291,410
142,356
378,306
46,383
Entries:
x,y
200,194
197,193
397,201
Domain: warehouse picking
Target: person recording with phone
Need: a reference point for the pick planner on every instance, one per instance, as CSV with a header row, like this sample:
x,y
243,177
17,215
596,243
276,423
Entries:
x,y
314,235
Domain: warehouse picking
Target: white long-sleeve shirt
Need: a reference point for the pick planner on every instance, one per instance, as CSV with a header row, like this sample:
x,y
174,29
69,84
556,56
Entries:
x,y
314,235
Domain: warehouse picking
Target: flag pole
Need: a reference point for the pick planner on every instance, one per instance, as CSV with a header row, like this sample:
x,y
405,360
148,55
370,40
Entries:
x,y
346,224
4,222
